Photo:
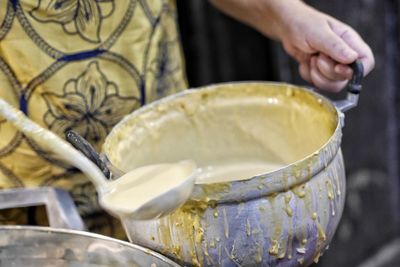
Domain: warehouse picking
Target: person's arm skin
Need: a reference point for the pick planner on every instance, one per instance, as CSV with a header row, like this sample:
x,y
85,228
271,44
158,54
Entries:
x,y
322,45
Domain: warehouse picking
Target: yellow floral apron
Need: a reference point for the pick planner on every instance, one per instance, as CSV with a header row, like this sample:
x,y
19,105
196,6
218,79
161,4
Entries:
x,y
81,65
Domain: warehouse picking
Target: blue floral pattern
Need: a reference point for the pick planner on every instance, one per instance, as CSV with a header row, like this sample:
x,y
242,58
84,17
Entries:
x,y
81,65
82,17
89,105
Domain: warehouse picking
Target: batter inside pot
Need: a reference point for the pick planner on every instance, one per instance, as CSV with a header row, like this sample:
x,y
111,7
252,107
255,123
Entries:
x,y
233,171
231,132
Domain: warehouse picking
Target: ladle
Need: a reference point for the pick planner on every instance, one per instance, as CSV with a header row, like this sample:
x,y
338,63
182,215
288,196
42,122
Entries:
x,y
155,201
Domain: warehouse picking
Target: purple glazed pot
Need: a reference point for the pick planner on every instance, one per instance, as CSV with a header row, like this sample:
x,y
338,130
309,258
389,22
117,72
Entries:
x,y
286,217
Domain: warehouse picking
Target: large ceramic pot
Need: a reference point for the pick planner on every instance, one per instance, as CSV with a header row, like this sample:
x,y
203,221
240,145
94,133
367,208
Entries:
x,y
286,217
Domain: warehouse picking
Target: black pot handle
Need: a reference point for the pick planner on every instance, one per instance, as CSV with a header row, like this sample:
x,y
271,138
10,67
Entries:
x,y
353,87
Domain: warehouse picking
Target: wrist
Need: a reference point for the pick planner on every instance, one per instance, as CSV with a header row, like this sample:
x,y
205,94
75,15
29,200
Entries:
x,y
272,17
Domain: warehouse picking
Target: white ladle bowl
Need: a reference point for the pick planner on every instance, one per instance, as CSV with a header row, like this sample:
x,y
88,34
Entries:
x,y
160,200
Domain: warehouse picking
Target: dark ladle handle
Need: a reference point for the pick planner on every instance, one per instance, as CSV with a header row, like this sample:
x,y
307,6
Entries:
x,y
88,150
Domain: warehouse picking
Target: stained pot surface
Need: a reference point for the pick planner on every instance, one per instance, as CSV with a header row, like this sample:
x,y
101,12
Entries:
x,y
282,218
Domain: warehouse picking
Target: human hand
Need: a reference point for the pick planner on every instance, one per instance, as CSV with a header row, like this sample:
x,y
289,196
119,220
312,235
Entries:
x,y
323,46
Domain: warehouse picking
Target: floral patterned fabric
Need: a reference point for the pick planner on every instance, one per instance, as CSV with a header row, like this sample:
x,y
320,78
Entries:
x,y
81,65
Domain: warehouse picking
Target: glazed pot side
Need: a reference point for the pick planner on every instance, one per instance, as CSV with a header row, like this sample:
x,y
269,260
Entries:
x,y
285,216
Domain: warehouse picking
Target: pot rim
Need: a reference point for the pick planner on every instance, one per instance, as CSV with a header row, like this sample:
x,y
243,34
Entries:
x,y
289,176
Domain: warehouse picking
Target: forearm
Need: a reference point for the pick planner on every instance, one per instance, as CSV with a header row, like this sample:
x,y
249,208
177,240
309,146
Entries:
x,y
267,16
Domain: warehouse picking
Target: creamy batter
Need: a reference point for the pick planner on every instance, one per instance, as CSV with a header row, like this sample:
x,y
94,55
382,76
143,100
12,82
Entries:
x,y
142,185
233,132
233,171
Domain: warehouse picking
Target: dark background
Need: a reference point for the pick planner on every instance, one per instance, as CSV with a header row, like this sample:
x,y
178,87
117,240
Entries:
x,y
219,49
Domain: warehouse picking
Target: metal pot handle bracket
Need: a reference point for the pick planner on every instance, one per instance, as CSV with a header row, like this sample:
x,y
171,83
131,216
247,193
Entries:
x,y
61,210
353,88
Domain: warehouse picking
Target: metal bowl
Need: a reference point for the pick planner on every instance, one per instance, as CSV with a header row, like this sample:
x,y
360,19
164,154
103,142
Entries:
x,y
30,246
59,245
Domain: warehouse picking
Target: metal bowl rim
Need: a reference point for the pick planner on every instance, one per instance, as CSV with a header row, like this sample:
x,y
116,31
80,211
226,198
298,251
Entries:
x,y
90,235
